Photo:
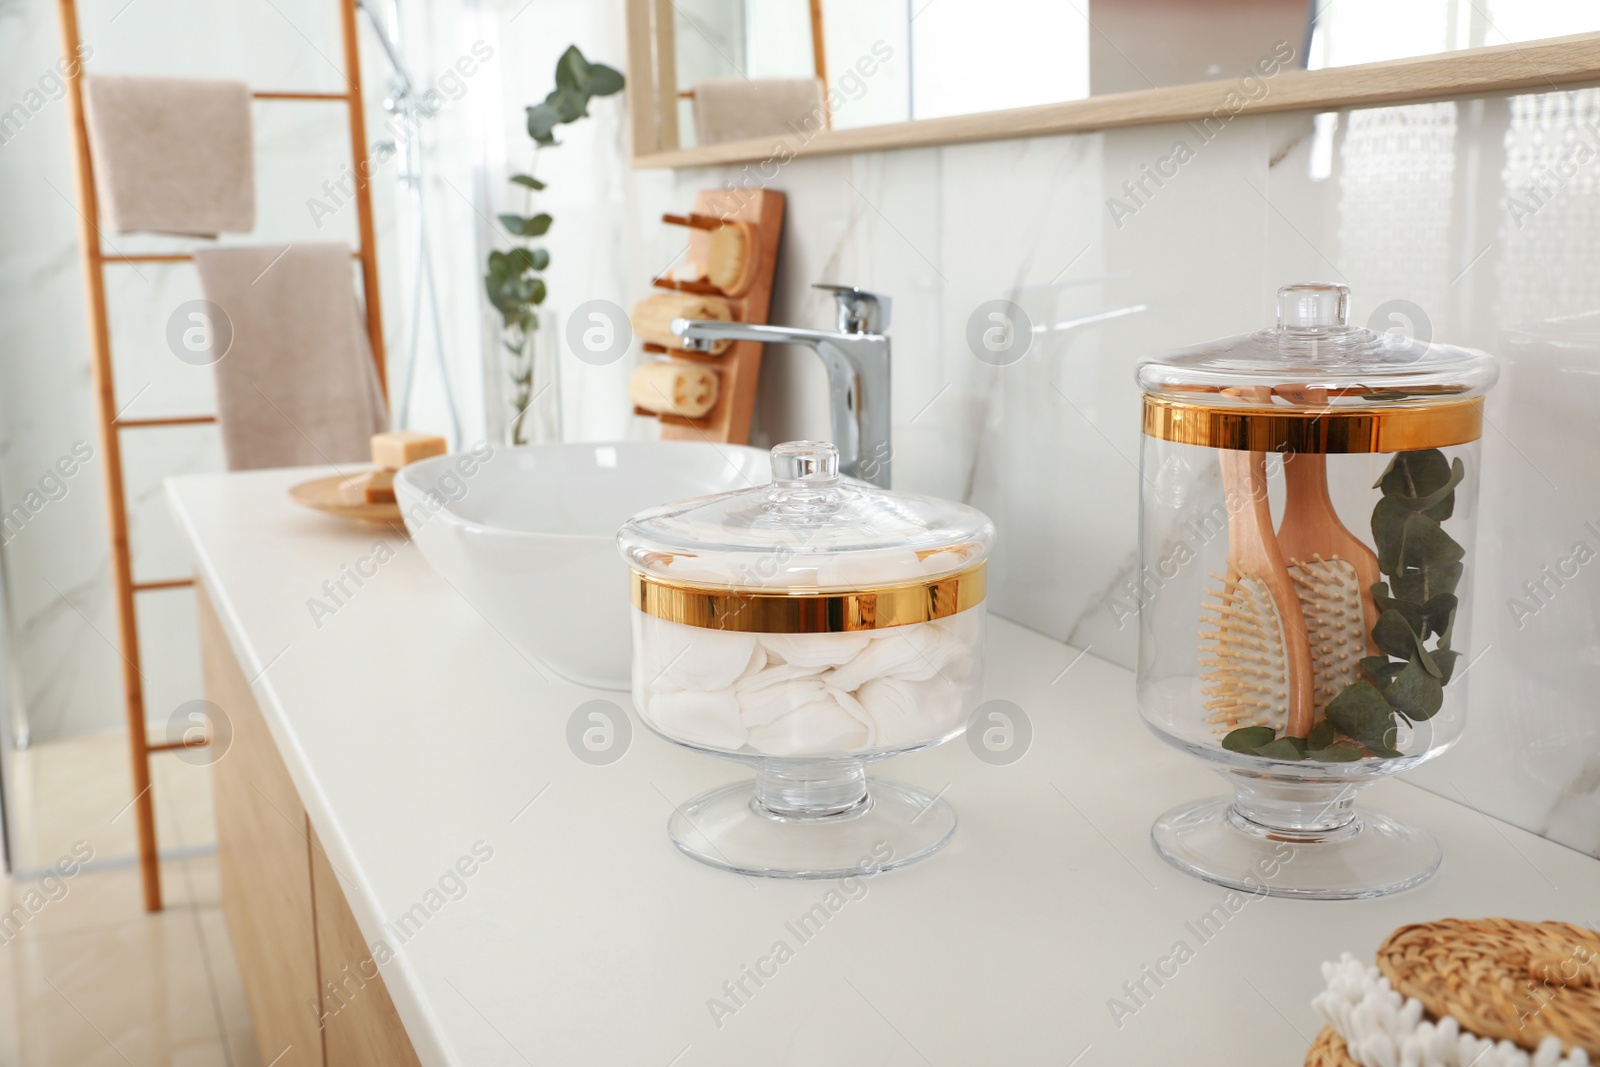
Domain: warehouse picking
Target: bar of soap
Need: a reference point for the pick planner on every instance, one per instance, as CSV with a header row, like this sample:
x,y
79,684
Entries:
x,y
670,387
380,488
368,487
396,448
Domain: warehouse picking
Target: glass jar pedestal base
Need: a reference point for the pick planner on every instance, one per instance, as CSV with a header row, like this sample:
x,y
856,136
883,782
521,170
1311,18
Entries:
x,y
1296,840
812,820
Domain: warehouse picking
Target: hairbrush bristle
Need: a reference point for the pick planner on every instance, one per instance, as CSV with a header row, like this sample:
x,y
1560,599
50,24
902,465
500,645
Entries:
x,y
1244,674
1336,627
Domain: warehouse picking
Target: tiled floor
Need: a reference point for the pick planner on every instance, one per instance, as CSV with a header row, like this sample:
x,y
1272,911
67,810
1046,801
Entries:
x,y
68,791
87,977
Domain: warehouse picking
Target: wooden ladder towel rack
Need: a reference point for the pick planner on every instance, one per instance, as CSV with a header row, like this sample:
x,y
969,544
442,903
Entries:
x,y
111,426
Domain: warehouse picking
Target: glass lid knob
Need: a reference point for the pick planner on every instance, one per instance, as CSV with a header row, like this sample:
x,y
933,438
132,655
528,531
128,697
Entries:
x,y
1313,307
805,463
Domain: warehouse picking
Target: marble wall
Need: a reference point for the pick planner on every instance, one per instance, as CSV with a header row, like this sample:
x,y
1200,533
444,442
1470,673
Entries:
x,y
1479,212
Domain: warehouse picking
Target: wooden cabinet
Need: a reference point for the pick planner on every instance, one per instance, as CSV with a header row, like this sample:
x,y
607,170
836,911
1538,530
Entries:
x,y
314,991
360,1025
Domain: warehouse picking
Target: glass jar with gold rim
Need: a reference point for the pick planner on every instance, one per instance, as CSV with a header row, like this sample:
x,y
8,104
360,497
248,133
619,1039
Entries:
x,y
1306,534
808,627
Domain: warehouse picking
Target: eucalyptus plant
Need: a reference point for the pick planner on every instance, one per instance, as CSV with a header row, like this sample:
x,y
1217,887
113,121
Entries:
x,y
1416,606
514,277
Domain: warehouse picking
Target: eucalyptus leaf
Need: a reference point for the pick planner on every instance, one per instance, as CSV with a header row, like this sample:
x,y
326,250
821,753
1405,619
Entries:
x,y
1388,532
1394,636
1339,752
1321,735
1426,546
1439,503
1445,659
527,181
541,259
1421,586
604,80
1247,739
1439,614
535,226
1361,712
571,69
1416,692
1415,616
1393,461
1283,748
520,260
1416,474
542,121
570,104
1380,670
503,296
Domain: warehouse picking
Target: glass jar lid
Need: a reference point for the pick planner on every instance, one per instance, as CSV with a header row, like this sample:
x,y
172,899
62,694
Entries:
x,y
1315,346
1317,383
824,553
809,529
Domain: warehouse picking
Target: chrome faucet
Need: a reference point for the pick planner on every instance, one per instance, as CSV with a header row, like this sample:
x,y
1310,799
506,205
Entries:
x,y
857,361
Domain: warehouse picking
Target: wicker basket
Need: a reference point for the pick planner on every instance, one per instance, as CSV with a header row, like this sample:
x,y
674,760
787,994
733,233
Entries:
x,y
1328,1051
1501,979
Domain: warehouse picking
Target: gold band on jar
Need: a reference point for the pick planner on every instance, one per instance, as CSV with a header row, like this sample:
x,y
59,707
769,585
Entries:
x,y
1390,428
804,612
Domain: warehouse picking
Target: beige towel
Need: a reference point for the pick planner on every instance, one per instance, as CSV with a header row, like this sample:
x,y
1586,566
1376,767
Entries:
x,y
296,385
735,109
171,155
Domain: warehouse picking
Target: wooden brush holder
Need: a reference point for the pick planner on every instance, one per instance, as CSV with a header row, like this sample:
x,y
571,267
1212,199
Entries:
x,y
745,264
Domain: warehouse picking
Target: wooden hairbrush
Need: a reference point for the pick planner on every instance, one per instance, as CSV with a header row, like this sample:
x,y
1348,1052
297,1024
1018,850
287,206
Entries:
x,y
1255,658
1332,569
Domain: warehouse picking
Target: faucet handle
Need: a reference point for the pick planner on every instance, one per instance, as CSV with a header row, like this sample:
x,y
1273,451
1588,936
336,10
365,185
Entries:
x,y
859,310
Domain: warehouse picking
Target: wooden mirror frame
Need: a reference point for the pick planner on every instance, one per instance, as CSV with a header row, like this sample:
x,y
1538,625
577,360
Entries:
x,y
1556,63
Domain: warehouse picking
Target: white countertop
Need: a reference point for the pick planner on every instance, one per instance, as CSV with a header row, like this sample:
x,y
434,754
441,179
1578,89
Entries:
x,y
413,731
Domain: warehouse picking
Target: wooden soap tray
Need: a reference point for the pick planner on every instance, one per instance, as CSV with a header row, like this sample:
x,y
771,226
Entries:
x,y
738,368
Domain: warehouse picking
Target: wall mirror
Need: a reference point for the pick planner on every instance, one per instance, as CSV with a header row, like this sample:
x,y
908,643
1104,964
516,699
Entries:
x,y
728,80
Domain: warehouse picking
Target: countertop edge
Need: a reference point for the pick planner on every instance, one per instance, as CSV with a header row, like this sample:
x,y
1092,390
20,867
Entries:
x,y
423,1028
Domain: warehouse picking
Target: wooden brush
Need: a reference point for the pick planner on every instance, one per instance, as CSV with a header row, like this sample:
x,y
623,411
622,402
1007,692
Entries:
x,y
1332,569
1255,659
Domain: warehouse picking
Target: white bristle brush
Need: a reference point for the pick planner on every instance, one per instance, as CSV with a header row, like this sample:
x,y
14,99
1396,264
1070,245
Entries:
x,y
1256,664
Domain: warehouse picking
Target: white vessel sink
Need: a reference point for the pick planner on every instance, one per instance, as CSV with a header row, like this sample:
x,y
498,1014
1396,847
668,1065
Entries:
x,y
528,536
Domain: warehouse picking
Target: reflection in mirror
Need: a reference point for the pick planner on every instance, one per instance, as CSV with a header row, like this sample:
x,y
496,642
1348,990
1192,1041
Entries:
x,y
758,68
